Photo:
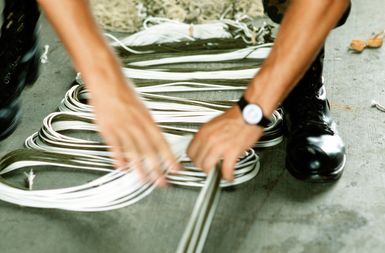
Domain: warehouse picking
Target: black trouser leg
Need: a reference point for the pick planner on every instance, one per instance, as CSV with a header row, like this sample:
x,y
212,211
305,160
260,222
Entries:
x,y
275,10
314,150
17,38
18,59
20,20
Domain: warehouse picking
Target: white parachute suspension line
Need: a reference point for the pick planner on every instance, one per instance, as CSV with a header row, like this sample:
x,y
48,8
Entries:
x,y
164,30
188,76
119,43
168,109
117,189
51,139
253,52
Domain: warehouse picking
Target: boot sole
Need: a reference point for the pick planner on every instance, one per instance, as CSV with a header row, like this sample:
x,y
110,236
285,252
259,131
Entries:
x,y
318,178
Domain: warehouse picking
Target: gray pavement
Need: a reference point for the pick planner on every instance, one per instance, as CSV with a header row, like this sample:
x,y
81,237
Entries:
x,y
272,213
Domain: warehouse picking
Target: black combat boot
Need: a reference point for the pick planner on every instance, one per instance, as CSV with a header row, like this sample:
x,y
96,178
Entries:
x,y
315,152
18,59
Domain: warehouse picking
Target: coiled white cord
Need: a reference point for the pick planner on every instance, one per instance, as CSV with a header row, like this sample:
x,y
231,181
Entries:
x,y
115,189
51,138
175,110
52,147
254,52
173,31
164,30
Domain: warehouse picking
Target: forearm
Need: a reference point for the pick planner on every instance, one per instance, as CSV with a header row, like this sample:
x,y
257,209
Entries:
x,y
122,119
77,29
302,33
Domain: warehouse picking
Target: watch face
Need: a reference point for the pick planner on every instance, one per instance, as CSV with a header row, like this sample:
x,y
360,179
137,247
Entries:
x,y
252,114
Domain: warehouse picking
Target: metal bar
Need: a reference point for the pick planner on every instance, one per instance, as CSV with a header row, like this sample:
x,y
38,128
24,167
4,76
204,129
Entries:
x,y
195,234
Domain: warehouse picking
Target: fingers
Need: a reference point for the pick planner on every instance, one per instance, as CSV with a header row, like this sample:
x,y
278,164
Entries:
x,y
115,148
228,164
160,156
151,161
209,162
206,154
128,129
132,155
135,147
202,140
148,154
162,147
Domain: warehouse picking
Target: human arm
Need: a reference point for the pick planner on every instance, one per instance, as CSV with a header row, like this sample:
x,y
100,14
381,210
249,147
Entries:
x,y
123,121
303,31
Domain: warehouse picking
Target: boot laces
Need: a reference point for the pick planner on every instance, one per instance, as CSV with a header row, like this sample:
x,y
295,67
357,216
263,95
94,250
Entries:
x,y
309,114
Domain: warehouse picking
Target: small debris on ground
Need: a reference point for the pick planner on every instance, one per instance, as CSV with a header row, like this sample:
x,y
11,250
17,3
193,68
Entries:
x,y
44,56
30,176
374,41
377,105
358,45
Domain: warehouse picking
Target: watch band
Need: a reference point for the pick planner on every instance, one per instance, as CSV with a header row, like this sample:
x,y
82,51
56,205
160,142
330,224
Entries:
x,y
264,122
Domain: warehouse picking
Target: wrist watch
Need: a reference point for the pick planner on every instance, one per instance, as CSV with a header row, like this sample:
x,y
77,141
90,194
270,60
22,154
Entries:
x,y
252,113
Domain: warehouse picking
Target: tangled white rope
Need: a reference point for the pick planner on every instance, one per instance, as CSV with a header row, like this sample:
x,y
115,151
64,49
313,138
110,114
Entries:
x,y
113,190
163,31
179,118
168,110
51,138
256,53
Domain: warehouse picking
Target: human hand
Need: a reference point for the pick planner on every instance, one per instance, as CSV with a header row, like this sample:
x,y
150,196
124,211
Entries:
x,y
129,131
123,121
225,138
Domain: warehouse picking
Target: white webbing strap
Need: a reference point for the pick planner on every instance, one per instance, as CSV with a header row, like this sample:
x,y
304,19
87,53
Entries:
x,y
52,138
168,110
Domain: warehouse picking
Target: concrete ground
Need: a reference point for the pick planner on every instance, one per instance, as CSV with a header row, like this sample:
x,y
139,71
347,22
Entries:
x,y
272,213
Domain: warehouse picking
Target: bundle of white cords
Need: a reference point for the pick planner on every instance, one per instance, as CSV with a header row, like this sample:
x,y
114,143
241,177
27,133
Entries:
x,y
187,76
174,31
175,87
113,190
171,87
51,138
117,189
164,31
255,53
259,52
168,110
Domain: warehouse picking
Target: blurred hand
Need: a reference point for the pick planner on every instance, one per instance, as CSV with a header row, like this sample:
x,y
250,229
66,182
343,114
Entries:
x,y
223,138
127,127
